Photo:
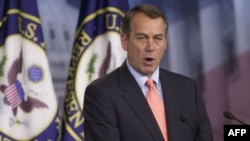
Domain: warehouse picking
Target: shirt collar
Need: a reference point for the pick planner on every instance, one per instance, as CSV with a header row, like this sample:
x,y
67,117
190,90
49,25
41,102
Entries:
x,y
141,79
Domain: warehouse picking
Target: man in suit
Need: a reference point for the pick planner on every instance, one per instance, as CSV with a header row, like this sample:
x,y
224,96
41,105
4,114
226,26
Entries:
x,y
116,106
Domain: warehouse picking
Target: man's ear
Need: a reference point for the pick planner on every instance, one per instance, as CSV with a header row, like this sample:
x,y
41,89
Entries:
x,y
124,41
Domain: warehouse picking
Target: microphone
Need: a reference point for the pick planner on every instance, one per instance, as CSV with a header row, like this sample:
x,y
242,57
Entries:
x,y
184,120
229,115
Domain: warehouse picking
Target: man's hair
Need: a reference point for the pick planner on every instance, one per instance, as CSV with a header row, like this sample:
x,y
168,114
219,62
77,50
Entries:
x,y
149,10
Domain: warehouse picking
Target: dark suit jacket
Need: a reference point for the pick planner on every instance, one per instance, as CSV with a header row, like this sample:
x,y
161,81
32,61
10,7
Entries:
x,y
115,109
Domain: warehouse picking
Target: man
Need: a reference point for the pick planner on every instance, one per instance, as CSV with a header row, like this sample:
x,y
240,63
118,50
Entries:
x,y
117,106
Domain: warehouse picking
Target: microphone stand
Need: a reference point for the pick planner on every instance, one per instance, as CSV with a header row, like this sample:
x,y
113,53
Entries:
x,y
229,115
184,120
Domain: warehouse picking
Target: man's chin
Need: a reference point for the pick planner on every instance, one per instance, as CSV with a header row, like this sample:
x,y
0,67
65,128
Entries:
x,y
148,71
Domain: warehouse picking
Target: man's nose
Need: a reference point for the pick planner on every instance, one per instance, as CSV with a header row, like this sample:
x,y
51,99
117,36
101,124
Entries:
x,y
150,45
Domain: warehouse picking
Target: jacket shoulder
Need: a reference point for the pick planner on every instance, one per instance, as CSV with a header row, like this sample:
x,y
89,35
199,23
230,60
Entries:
x,y
175,76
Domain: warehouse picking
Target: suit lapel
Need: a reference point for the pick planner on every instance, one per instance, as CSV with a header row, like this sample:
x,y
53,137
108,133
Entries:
x,y
172,105
135,98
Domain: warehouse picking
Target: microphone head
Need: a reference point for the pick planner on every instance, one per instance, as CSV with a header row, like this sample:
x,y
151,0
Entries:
x,y
228,115
183,119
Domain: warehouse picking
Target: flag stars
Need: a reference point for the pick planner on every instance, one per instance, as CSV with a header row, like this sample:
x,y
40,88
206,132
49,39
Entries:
x,y
35,73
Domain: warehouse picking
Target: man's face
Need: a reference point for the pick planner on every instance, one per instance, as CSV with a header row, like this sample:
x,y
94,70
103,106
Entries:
x,y
146,43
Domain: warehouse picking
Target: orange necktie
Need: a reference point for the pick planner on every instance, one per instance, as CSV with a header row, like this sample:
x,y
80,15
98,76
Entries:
x,y
156,104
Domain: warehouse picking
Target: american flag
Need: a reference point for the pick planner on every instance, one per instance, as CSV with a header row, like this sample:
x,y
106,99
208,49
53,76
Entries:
x,y
14,94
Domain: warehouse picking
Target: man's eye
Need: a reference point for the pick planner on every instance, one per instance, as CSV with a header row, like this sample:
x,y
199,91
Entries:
x,y
158,38
141,38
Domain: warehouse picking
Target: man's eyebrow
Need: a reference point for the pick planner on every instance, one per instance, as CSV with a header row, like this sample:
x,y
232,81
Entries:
x,y
160,34
143,34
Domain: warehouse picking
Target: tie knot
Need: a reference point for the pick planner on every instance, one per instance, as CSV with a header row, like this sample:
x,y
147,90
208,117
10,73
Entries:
x,y
150,83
